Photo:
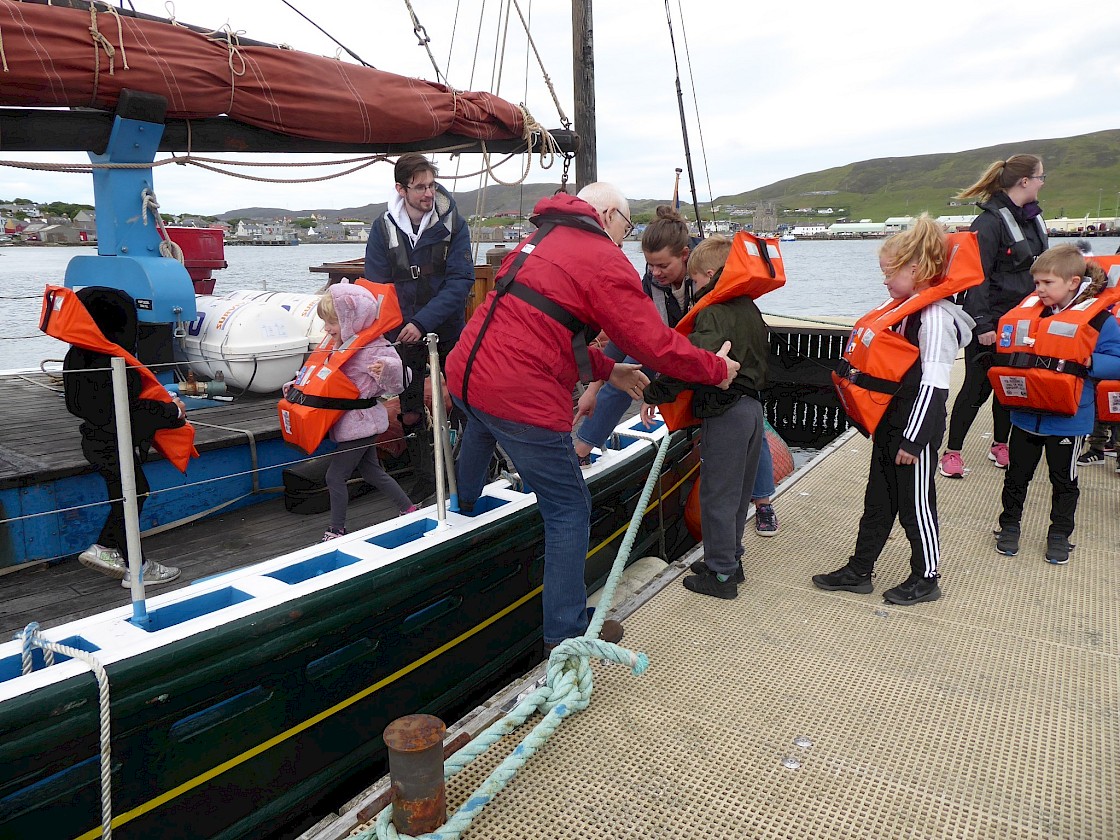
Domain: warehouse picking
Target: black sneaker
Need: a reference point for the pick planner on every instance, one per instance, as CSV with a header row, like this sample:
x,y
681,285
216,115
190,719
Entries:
x,y
1090,456
709,584
1058,549
844,579
699,567
1007,540
913,590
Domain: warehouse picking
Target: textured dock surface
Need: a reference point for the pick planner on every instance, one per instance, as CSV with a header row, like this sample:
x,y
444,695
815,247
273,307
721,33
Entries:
x,y
795,713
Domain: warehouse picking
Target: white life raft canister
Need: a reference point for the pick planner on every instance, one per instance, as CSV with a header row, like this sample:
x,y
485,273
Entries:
x,y
256,345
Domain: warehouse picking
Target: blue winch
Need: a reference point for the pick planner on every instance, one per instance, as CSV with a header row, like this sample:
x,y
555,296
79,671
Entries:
x,y
128,234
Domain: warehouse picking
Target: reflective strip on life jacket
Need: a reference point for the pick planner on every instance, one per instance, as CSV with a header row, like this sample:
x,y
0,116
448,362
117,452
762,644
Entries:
x,y
65,317
753,267
1041,363
877,357
322,393
1020,249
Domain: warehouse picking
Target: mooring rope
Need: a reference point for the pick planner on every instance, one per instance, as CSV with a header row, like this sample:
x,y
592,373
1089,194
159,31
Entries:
x,y
33,638
567,690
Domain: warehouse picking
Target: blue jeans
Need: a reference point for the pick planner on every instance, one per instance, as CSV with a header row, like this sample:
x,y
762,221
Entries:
x,y
610,405
764,475
547,461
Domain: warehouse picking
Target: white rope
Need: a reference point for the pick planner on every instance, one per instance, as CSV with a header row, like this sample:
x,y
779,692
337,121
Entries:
x,y
167,247
32,637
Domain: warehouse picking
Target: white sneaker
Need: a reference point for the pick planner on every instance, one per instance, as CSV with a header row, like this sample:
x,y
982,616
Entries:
x,y
108,561
152,574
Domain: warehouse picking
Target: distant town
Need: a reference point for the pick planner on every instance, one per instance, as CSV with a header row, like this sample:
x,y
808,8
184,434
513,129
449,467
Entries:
x,y
24,222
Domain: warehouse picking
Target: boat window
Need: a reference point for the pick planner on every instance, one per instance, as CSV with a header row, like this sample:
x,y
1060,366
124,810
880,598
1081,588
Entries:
x,y
427,615
223,712
343,658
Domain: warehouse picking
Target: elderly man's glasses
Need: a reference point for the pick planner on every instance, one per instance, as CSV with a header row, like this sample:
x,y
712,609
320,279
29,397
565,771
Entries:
x,y
629,224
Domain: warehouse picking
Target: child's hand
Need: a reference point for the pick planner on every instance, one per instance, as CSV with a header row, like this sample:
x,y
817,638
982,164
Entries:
x,y
647,415
904,458
376,369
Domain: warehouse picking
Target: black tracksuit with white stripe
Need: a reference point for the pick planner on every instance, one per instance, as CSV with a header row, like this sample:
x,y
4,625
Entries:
x,y
914,422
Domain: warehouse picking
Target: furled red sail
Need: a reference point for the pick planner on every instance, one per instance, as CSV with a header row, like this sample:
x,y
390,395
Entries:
x,y
60,57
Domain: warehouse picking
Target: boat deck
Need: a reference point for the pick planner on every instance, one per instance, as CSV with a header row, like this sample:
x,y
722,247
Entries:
x,y
795,713
53,594
40,441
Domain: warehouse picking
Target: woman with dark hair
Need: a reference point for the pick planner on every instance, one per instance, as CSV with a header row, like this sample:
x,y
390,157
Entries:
x,y
666,244
1011,234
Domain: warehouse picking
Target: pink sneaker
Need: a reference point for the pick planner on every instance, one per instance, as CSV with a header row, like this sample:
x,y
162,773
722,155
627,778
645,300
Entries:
x,y
999,455
952,465
410,509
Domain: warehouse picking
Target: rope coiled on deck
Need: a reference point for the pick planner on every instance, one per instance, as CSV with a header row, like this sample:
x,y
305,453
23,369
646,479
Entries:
x,y
567,690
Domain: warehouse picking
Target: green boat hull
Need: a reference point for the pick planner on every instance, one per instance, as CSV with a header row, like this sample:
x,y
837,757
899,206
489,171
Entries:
x,y
236,731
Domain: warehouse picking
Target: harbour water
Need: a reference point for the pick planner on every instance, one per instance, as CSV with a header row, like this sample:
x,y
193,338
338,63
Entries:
x,y
838,279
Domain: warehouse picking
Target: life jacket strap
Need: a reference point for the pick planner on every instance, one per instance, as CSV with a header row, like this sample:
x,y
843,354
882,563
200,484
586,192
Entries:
x,y
864,380
297,397
1023,361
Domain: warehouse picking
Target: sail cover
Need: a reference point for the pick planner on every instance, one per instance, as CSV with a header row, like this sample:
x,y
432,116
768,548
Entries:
x,y
62,57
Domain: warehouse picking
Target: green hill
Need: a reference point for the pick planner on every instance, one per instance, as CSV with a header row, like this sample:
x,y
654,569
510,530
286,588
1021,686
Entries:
x,y
1082,171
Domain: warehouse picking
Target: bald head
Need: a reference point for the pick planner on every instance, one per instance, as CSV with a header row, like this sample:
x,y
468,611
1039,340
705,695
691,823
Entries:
x,y
612,206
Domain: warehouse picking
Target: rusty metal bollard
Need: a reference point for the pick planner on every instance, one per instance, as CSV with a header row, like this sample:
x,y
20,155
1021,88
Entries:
x,y
415,744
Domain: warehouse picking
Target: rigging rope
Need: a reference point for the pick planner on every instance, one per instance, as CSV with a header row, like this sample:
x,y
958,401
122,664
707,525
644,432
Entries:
x,y
424,41
695,103
567,690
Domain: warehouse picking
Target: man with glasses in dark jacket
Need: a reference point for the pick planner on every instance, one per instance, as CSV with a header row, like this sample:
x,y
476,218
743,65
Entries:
x,y
422,245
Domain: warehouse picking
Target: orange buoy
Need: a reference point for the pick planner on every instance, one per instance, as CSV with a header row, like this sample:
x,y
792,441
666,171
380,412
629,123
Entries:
x,y
783,468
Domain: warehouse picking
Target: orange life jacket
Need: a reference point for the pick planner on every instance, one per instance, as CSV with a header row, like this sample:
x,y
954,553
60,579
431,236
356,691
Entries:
x,y
1108,394
65,317
877,357
1042,363
322,392
753,268
1108,390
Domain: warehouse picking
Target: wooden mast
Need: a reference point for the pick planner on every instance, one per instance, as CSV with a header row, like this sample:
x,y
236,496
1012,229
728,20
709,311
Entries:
x,y
583,82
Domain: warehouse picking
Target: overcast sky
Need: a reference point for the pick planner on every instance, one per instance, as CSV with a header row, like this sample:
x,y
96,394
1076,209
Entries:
x,y
782,89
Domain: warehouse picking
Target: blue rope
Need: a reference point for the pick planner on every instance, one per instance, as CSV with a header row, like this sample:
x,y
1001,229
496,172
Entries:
x,y
567,690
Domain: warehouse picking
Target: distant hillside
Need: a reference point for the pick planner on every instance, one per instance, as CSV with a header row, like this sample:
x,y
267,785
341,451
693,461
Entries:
x,y
1084,174
497,198
1082,170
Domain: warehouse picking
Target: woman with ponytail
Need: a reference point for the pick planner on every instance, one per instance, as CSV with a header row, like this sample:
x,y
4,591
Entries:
x,y
1011,234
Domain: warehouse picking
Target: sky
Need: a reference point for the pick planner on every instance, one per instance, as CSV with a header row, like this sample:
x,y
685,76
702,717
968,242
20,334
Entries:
x,y
772,90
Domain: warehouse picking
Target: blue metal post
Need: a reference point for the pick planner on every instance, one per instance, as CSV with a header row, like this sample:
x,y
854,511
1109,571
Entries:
x,y
128,240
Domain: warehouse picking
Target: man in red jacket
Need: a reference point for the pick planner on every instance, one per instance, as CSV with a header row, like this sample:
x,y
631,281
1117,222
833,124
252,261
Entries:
x,y
525,348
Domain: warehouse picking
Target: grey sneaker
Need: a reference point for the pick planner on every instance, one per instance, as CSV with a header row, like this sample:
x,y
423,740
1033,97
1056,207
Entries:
x,y
1058,548
152,574
108,561
1007,540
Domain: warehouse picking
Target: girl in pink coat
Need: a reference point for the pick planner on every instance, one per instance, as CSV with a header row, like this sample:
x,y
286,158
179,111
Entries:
x,y
375,370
